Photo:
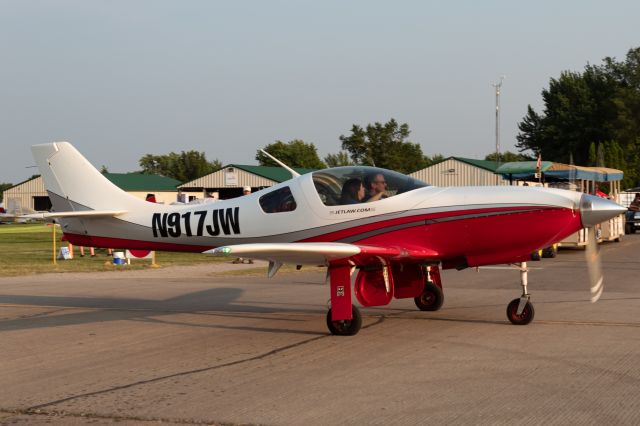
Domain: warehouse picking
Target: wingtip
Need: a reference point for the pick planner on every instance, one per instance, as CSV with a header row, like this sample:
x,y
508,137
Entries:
x,y
219,251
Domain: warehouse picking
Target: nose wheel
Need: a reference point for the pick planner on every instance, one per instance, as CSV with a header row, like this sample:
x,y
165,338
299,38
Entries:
x,y
520,316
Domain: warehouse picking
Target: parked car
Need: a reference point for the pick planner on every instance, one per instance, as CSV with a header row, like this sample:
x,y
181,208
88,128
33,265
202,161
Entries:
x,y
632,222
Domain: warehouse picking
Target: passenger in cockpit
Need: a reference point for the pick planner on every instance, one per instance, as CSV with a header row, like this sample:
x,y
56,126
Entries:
x,y
352,192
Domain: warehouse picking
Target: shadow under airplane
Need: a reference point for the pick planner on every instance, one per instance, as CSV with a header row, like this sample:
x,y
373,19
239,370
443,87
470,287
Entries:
x,y
221,302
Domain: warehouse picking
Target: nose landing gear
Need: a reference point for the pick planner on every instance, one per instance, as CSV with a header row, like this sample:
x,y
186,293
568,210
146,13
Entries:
x,y
520,315
520,311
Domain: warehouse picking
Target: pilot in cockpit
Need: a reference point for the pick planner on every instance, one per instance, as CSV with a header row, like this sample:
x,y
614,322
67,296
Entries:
x,y
376,187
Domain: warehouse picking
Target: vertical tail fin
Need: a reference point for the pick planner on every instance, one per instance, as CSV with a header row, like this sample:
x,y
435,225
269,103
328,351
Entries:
x,y
74,184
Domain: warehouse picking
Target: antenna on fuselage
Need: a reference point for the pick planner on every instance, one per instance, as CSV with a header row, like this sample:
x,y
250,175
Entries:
x,y
293,172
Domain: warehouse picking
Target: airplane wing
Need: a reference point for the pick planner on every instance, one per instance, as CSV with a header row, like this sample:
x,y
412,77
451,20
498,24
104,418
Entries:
x,y
317,253
84,213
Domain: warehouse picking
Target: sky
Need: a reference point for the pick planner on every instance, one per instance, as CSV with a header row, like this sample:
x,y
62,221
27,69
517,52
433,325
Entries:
x,y
121,79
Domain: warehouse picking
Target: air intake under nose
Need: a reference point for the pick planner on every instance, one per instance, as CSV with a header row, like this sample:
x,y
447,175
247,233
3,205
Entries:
x,y
595,210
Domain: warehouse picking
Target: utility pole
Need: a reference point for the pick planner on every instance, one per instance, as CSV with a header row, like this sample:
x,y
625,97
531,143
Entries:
x,y
498,86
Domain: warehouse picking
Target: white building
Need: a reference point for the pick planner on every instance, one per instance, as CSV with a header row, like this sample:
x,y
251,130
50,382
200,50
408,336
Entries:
x,y
458,171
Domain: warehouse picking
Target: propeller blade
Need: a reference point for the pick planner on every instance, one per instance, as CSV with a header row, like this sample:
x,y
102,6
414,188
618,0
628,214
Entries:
x,y
594,267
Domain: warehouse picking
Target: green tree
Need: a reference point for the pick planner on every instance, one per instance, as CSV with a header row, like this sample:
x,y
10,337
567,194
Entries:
x,y
185,166
612,156
592,154
626,74
600,155
340,158
384,145
430,161
4,187
508,156
531,132
296,153
599,106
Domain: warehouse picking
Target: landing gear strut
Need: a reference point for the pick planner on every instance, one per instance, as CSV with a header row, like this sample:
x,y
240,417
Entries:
x,y
343,319
520,311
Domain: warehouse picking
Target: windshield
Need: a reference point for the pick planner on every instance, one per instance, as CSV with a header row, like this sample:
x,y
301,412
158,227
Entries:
x,y
360,184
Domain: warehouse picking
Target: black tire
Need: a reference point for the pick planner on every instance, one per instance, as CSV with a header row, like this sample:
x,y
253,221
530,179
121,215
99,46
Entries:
x,y
431,298
536,255
345,327
527,314
550,252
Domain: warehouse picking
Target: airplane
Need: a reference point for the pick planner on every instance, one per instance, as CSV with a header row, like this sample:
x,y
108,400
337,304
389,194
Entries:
x,y
16,215
395,246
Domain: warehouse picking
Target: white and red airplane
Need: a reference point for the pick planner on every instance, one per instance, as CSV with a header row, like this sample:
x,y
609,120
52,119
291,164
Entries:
x,y
396,244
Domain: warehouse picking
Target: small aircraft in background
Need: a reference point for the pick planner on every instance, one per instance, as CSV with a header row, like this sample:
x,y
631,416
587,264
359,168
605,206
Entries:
x,y
16,215
395,244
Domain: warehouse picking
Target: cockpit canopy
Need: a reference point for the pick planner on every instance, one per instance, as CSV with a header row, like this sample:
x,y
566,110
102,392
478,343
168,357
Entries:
x,y
331,183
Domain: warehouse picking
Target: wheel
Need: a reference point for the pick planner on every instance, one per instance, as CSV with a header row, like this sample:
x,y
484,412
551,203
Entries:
x,y
551,251
345,327
431,298
536,255
523,319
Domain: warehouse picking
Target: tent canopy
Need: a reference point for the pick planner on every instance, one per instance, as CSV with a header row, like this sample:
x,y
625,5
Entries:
x,y
526,170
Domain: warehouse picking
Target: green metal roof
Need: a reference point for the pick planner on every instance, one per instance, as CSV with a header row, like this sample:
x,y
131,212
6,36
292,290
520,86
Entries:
x,y
558,171
277,174
141,182
515,167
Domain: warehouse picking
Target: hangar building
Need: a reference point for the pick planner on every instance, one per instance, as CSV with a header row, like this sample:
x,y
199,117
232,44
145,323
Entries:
x,y
459,171
229,180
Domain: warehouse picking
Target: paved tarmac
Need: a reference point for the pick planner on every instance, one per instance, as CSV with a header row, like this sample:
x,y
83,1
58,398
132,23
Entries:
x,y
194,345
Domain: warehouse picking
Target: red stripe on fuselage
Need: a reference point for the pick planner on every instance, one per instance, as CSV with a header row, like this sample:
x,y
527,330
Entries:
x,y
485,240
373,226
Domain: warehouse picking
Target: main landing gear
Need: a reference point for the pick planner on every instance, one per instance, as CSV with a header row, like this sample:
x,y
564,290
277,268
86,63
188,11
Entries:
x,y
377,286
520,311
431,298
345,327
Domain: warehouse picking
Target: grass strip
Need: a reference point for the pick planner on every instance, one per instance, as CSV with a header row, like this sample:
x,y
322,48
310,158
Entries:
x,y
28,249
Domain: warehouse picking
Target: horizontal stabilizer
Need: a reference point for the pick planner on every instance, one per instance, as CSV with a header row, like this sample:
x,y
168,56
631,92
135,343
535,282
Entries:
x,y
84,213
